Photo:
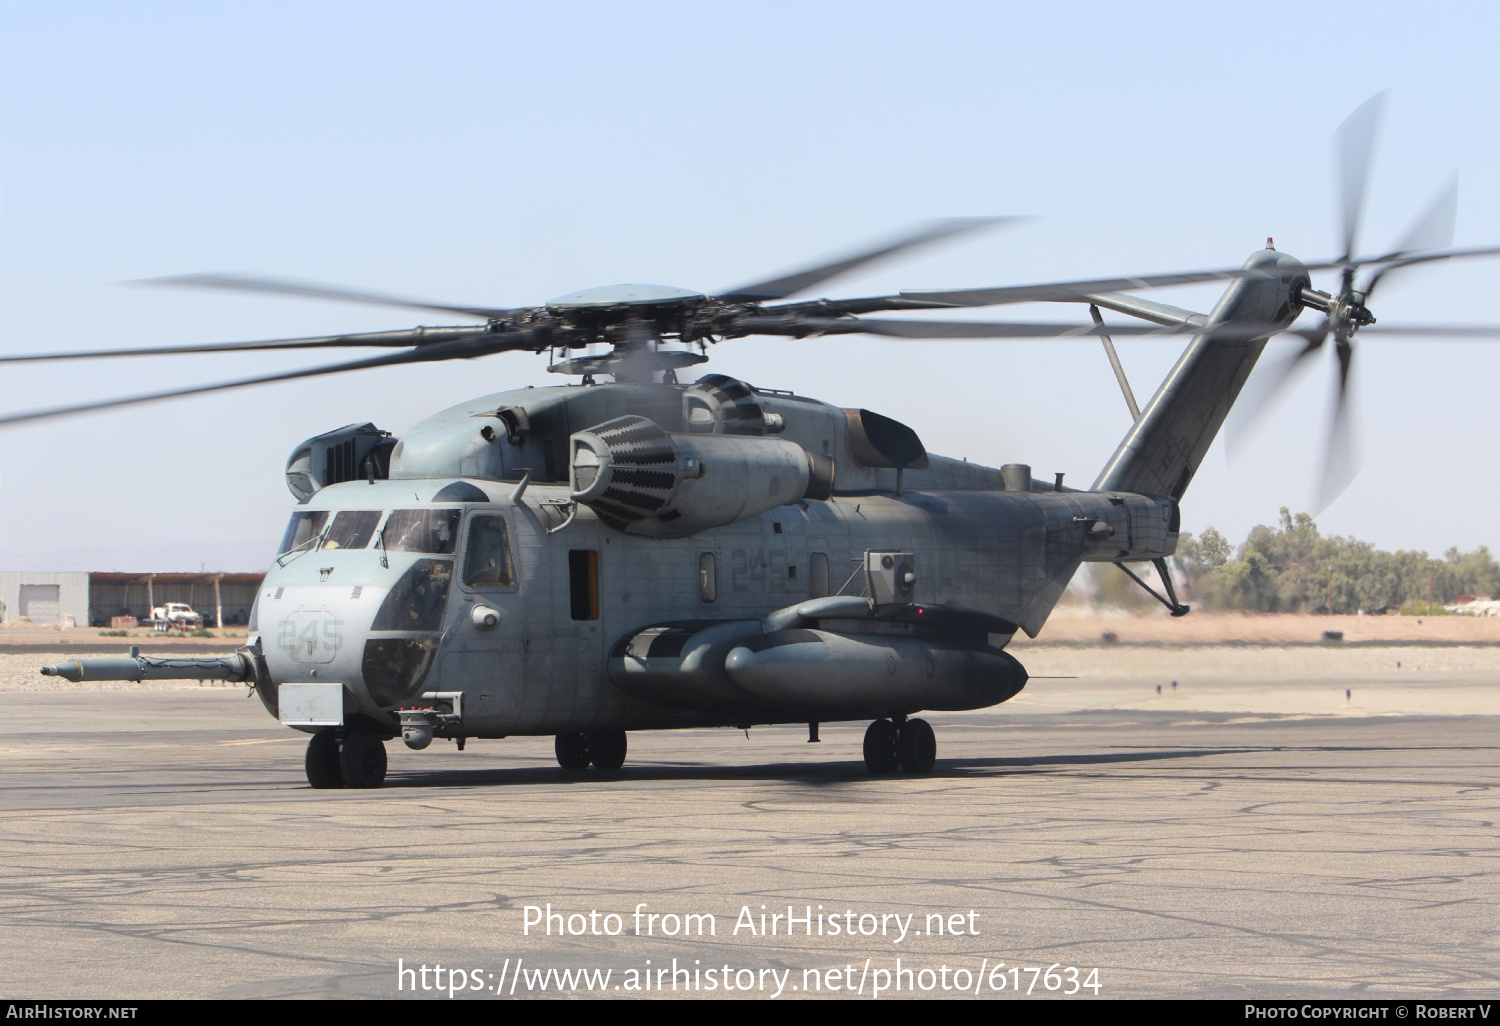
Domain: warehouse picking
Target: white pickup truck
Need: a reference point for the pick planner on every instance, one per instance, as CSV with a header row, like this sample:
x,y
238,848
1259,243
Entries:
x,y
175,616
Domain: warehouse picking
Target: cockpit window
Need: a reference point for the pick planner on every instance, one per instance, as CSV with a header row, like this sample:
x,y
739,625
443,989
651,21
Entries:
x,y
305,526
422,530
352,529
418,600
487,556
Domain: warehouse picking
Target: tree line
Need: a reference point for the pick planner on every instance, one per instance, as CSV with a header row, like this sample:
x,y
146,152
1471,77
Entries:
x,y
1293,568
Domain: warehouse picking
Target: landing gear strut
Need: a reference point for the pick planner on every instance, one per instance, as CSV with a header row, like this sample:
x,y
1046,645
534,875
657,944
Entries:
x,y
911,746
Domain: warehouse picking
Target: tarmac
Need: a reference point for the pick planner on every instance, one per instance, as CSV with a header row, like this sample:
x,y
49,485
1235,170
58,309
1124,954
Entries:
x,y
163,843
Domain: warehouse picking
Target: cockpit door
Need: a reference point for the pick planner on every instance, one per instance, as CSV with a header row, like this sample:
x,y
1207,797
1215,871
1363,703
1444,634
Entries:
x,y
485,662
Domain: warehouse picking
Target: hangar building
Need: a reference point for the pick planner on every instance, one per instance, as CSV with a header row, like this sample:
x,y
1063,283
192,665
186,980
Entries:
x,y
91,599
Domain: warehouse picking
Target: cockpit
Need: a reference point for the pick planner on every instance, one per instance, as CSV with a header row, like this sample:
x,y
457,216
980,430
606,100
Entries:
x,y
409,617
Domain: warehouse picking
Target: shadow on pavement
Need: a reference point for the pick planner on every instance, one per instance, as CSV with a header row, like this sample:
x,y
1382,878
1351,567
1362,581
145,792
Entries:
x,y
813,774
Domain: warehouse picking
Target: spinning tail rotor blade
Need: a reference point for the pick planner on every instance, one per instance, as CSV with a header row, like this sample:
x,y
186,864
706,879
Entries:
x,y
1261,390
1356,145
1433,229
1340,463
306,290
459,348
800,281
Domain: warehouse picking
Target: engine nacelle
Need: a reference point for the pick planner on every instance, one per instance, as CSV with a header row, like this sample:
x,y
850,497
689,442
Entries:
x,y
643,480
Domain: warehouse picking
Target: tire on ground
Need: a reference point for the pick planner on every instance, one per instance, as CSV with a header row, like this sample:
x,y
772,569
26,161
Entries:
x,y
880,747
916,746
322,762
606,749
572,751
362,758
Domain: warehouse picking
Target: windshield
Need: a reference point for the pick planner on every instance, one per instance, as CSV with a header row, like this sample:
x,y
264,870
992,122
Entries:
x,y
305,526
352,529
422,530
418,600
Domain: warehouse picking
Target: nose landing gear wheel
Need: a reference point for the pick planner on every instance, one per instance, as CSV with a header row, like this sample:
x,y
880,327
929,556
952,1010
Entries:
x,y
572,751
363,758
322,762
880,747
606,749
916,746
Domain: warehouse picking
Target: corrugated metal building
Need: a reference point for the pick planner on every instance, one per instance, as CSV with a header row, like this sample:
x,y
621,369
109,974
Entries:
x,y
45,597
93,598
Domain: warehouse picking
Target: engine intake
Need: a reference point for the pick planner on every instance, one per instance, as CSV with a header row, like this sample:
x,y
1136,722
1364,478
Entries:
x,y
347,454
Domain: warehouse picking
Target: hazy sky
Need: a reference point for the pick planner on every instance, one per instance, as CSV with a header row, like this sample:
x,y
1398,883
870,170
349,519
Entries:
x,y
502,154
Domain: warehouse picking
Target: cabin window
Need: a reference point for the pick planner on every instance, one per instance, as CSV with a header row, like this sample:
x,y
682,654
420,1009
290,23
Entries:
x,y
708,578
487,555
418,600
422,530
818,574
583,584
304,527
352,529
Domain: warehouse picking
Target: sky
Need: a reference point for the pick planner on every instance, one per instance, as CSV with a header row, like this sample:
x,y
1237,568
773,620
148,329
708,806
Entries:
x,y
503,154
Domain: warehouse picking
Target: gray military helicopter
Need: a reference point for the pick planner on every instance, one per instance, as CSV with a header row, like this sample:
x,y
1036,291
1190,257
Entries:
x,y
642,553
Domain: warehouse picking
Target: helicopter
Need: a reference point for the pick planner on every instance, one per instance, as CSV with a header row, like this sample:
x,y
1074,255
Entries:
x,y
644,553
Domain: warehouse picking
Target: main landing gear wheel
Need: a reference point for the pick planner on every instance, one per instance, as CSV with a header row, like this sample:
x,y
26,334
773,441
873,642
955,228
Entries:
x,y
572,751
916,746
880,747
606,749
362,758
322,760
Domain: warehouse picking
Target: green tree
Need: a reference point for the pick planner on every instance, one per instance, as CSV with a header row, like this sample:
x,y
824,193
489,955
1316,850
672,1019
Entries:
x,y
1293,567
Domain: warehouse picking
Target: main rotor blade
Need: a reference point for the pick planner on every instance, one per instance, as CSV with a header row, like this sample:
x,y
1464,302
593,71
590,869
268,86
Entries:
x,y
307,290
980,329
1356,145
462,348
1228,331
1443,331
406,337
1066,290
1427,258
1400,258
800,281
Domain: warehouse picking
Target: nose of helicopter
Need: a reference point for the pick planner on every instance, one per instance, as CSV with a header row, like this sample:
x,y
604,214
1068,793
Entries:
x,y
367,619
